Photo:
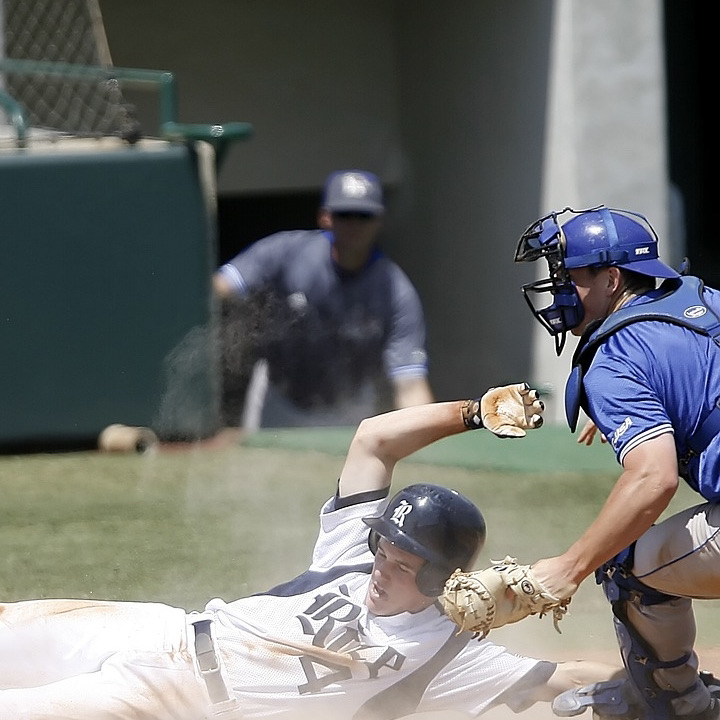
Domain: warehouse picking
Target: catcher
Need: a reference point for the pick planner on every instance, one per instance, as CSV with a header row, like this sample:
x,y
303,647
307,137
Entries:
x,y
359,635
646,370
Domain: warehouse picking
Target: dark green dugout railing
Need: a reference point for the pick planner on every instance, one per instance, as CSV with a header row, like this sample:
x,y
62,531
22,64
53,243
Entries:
x,y
220,136
16,115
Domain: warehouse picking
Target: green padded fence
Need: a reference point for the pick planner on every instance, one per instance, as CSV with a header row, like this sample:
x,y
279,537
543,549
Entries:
x,y
106,254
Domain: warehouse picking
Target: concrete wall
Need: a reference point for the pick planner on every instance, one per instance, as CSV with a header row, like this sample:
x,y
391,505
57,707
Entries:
x,y
606,134
316,78
473,94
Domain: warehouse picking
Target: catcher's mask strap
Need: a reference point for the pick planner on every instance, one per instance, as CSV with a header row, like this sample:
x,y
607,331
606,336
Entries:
x,y
609,223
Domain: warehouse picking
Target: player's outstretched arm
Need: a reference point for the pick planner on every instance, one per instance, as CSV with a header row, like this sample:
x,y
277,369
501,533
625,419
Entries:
x,y
574,674
382,440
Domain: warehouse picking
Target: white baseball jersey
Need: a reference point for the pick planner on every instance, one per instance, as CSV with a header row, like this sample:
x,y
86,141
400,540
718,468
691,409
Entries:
x,y
310,648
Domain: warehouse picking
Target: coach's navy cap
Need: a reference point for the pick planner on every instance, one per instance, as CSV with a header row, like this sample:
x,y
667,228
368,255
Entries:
x,y
353,191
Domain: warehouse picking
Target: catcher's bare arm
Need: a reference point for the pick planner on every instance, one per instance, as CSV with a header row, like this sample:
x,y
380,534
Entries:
x,y
382,440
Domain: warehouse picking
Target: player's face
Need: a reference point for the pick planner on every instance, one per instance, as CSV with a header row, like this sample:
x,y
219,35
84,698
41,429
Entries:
x,y
392,588
354,229
595,290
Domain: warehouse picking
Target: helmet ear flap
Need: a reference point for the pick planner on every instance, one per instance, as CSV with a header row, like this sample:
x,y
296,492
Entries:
x,y
373,540
430,579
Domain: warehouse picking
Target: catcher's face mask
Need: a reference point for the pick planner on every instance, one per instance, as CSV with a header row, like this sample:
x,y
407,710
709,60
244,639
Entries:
x,y
596,237
545,239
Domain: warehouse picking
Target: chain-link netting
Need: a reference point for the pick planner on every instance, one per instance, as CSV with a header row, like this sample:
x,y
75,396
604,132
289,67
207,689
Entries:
x,y
62,32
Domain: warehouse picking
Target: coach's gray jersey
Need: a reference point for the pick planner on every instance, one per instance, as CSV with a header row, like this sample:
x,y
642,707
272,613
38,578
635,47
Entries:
x,y
330,330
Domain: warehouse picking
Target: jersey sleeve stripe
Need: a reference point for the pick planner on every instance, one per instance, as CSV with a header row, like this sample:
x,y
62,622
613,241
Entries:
x,y
232,274
409,371
644,437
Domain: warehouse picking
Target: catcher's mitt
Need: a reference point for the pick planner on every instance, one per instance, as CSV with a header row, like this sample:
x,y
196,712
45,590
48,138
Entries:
x,y
499,595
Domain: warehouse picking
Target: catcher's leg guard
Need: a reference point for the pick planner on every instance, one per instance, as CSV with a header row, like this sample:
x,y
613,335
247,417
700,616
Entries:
x,y
711,683
640,660
616,700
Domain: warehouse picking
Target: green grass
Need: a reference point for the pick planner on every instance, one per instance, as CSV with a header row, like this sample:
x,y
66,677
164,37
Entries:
x,y
178,527
186,525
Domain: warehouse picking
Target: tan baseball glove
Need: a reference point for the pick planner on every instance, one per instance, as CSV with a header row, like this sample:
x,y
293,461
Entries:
x,y
499,595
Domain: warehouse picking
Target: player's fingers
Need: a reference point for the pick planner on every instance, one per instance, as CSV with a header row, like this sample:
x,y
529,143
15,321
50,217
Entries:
x,y
510,431
529,395
536,421
587,434
537,405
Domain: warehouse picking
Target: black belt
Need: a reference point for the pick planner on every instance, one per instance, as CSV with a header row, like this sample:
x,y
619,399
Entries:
x,y
208,663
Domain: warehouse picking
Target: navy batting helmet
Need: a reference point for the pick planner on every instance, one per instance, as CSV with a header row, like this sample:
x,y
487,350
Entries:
x,y
439,525
597,237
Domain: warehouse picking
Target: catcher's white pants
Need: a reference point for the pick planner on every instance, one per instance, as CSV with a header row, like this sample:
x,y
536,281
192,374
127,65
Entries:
x,y
87,660
679,556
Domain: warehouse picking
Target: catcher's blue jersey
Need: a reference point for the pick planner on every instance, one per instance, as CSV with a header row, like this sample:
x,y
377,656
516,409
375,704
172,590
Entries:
x,y
653,377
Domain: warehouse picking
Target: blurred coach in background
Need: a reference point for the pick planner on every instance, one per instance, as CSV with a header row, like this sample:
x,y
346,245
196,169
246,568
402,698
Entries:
x,y
328,323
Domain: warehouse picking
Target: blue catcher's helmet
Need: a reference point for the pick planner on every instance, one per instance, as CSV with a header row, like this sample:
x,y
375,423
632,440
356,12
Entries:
x,y
597,237
439,525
